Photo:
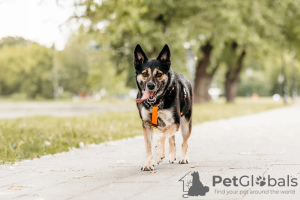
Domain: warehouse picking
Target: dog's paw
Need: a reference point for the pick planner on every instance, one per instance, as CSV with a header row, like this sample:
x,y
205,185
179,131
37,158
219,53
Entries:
x,y
184,161
172,159
159,159
147,168
172,155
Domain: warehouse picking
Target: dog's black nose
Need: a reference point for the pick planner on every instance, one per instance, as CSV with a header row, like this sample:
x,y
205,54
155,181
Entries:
x,y
150,86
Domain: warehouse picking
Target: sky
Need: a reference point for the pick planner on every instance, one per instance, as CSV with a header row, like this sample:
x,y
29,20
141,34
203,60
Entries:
x,y
42,21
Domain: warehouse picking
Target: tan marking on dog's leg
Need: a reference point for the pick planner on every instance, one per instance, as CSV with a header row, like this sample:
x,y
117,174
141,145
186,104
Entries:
x,y
172,149
148,136
160,149
186,128
170,130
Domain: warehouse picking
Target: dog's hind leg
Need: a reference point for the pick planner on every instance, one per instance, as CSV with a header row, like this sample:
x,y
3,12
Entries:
x,y
186,128
166,132
148,136
172,149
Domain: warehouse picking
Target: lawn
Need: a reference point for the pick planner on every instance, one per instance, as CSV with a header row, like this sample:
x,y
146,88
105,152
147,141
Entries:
x,y
32,137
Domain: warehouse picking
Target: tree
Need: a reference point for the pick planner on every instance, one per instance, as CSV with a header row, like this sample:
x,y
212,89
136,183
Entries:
x,y
203,76
250,35
25,68
221,32
123,24
235,65
86,66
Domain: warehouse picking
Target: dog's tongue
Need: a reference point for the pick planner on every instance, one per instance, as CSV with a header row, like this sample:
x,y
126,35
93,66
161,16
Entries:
x,y
145,96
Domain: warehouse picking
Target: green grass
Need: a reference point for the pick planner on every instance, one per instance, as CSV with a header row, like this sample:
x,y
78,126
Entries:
x,y
221,110
32,137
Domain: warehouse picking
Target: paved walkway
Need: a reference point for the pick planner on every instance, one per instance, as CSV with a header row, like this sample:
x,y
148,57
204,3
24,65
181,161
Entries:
x,y
63,109
264,144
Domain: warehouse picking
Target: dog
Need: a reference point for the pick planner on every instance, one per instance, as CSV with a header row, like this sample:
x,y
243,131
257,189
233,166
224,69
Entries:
x,y
164,101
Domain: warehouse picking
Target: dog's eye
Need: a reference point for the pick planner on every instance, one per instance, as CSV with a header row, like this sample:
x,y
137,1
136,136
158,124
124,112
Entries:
x,y
145,74
158,74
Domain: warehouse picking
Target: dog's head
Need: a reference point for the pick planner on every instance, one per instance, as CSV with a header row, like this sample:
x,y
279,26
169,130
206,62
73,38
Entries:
x,y
151,75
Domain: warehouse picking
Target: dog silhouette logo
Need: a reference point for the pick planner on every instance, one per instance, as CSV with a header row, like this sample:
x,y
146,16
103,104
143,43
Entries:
x,y
192,185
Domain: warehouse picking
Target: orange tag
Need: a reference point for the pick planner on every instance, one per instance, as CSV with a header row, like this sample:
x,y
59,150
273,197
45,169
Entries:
x,y
154,115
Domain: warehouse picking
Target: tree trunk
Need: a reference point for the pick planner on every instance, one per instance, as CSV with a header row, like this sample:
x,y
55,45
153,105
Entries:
x,y
230,89
201,91
203,78
232,77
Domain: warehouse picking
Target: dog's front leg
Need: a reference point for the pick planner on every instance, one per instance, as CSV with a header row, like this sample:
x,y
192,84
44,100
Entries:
x,y
172,149
148,136
160,148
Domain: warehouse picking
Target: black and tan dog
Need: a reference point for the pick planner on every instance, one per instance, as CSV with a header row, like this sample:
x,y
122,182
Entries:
x,y
164,101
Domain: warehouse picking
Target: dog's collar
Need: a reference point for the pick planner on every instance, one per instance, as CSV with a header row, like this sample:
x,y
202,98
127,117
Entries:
x,y
155,109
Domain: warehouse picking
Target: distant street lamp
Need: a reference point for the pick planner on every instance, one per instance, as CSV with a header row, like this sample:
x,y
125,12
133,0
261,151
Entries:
x,y
284,87
55,74
294,90
191,61
280,78
249,73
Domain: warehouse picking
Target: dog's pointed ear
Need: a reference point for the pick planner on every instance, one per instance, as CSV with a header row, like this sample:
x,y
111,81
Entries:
x,y
165,55
139,56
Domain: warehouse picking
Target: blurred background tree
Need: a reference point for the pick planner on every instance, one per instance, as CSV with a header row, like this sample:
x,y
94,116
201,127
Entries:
x,y
25,68
240,47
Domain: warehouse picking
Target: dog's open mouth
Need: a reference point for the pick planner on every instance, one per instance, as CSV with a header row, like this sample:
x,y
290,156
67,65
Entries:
x,y
150,95
152,98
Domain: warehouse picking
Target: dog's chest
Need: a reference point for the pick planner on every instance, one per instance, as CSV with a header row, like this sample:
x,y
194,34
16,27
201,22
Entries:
x,y
164,117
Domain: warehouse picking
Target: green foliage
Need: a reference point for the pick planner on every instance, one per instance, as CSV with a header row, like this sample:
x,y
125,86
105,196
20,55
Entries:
x,y
123,24
72,66
12,41
258,83
25,68
99,54
86,66
260,27
28,70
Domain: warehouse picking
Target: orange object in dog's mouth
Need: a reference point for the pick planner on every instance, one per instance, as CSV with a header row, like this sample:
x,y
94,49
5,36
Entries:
x,y
150,95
